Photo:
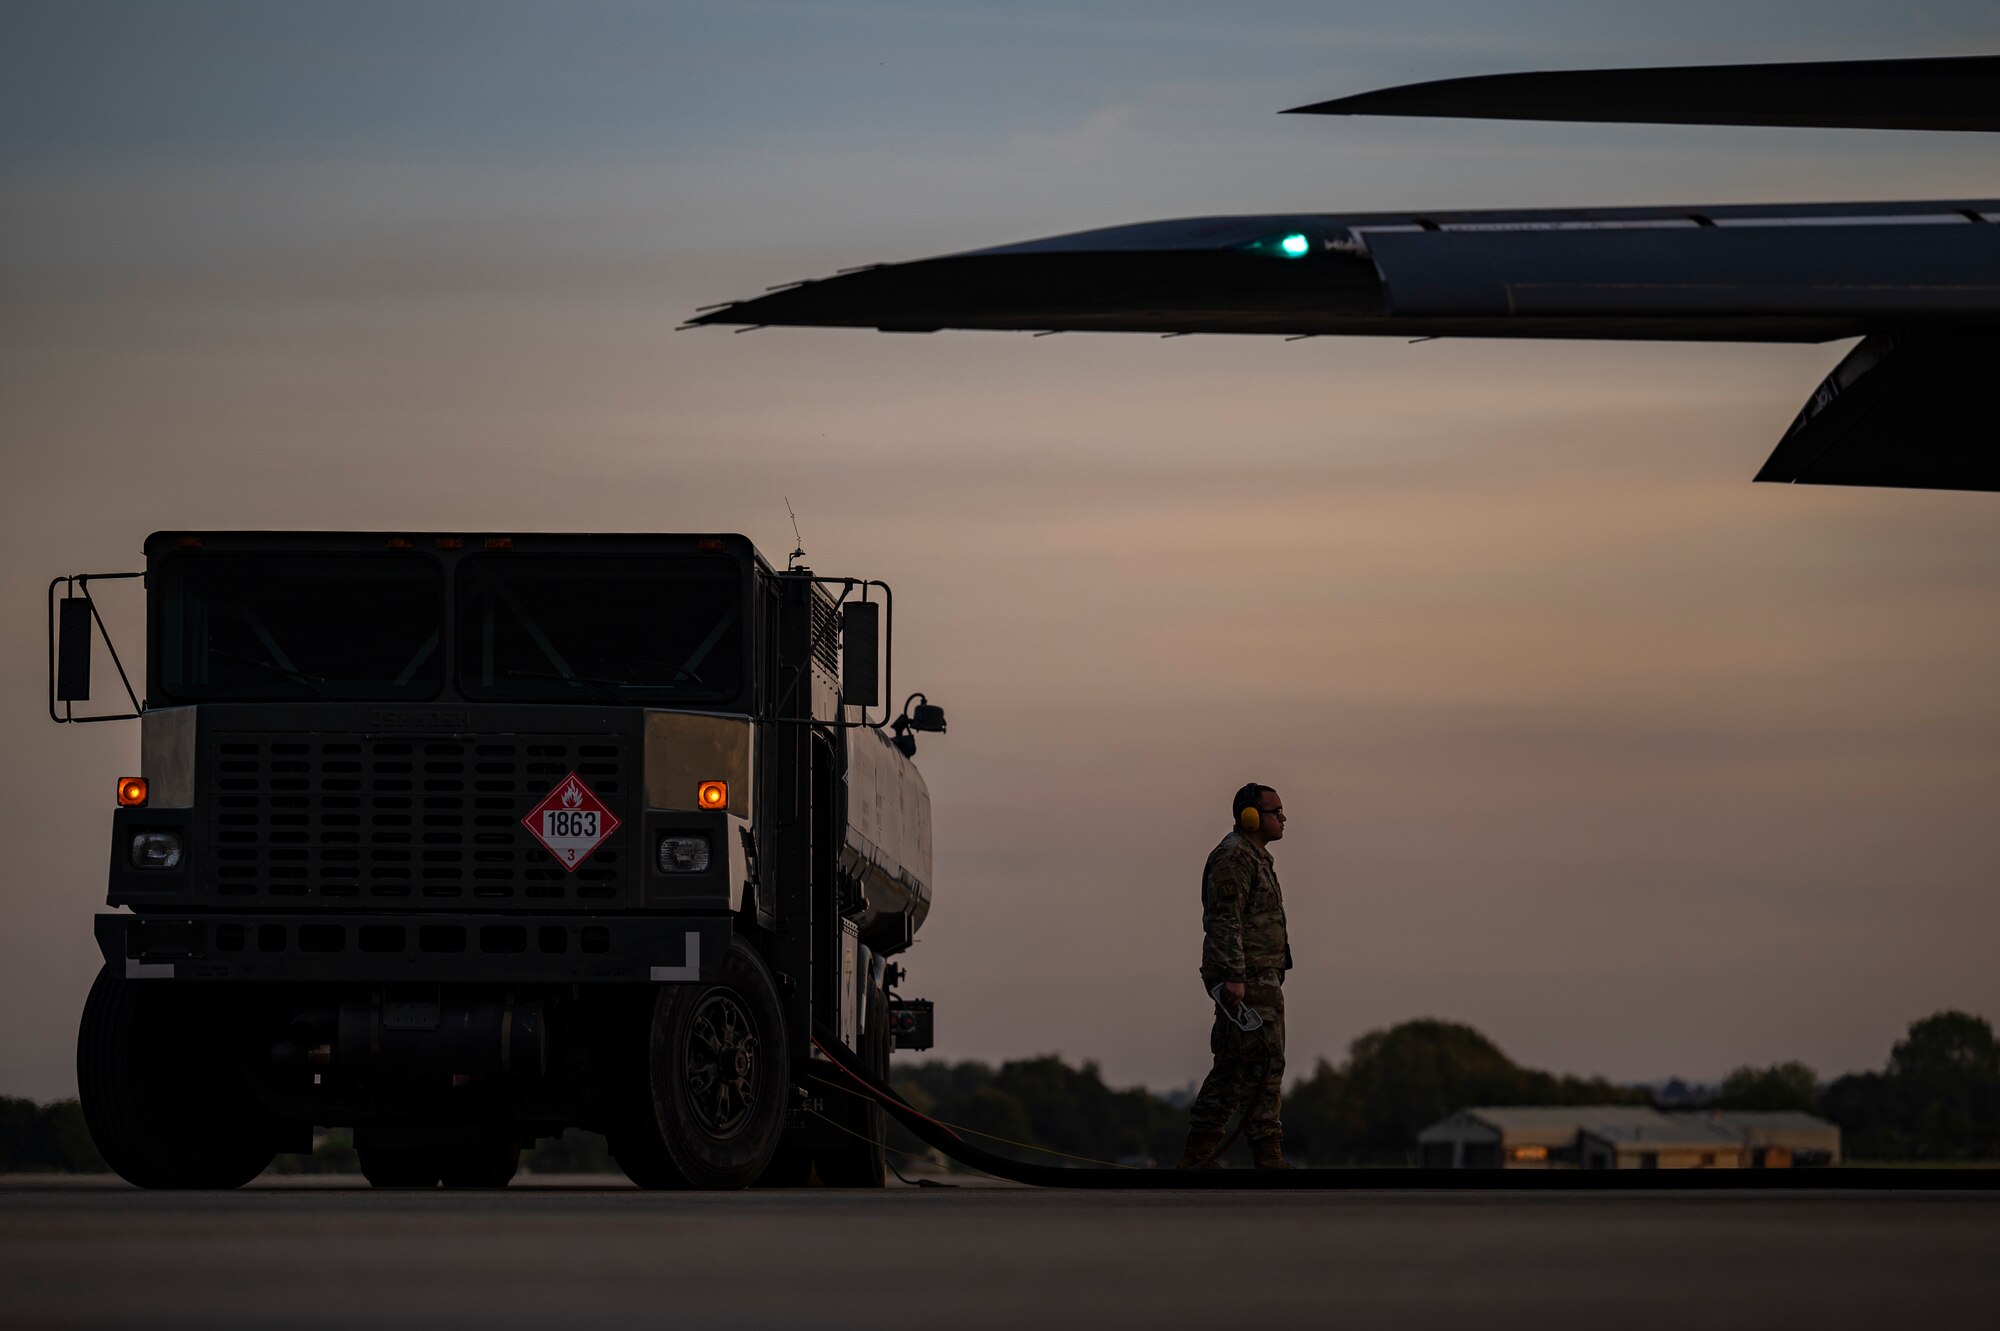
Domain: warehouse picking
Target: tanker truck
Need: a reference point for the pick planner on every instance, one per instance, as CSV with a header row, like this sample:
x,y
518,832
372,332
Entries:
x,y
460,840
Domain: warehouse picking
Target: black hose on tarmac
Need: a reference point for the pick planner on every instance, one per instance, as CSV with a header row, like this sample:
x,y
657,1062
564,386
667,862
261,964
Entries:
x,y
937,1135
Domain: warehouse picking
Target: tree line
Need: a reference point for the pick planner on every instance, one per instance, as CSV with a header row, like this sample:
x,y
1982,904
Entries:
x,y
46,1139
1366,1110
1936,1099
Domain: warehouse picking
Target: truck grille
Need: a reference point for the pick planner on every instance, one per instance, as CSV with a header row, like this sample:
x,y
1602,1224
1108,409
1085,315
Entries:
x,y
400,820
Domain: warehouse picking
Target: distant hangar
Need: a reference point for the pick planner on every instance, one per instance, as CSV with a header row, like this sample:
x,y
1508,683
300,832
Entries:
x,y
1625,1137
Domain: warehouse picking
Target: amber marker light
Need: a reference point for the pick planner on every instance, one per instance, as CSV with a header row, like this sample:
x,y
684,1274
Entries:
x,y
713,795
132,792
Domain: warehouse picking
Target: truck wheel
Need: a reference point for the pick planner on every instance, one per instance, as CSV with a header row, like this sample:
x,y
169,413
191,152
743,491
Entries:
x,y
698,1087
858,1163
400,1167
163,1095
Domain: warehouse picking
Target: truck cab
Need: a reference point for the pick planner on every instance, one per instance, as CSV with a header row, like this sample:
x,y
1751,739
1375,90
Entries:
x,y
463,839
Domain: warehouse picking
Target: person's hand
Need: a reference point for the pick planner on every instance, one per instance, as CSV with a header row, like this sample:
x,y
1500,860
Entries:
x,y
1234,993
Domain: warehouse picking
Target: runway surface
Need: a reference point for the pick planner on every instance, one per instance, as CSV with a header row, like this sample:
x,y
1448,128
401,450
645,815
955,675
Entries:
x,y
599,1255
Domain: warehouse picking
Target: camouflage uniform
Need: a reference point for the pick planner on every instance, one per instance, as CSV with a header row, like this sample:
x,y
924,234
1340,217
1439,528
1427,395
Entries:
x,y
1243,939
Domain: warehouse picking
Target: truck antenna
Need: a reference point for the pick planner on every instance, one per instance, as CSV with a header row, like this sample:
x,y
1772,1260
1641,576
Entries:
x,y
798,541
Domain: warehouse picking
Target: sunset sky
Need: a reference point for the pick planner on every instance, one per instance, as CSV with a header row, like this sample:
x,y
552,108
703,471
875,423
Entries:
x,y
1586,740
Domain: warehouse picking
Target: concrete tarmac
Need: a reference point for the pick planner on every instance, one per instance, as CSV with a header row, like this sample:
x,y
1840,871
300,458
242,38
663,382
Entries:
x,y
597,1255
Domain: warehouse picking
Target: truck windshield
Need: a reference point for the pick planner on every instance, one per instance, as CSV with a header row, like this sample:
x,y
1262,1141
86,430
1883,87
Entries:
x,y
268,626
599,628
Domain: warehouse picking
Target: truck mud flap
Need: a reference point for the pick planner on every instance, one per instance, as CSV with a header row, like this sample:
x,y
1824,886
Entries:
x,y
467,949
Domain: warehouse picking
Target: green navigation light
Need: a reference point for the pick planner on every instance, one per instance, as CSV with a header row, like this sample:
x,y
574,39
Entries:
x,y
1284,245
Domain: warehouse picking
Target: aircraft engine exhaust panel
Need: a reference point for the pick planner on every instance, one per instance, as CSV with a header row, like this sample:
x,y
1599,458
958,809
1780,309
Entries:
x,y
1900,410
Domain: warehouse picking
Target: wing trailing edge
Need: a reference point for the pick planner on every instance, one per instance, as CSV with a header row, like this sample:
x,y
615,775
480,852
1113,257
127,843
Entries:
x,y
1934,93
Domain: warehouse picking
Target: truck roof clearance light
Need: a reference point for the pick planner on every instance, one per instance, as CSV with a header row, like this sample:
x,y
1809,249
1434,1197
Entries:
x,y
132,792
712,795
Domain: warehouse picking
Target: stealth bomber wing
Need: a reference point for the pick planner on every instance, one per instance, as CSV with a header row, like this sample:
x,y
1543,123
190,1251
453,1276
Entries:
x,y
1918,282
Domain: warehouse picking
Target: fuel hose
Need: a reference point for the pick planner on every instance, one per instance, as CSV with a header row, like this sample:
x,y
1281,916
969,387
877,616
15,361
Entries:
x,y
847,1069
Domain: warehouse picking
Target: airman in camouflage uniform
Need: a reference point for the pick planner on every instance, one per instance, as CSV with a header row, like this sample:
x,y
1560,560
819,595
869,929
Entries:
x,y
1244,949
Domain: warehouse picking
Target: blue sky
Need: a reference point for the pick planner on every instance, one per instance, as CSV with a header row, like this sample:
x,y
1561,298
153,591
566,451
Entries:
x,y
519,82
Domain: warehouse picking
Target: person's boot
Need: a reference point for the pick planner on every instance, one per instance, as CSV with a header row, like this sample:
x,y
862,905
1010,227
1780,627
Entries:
x,y
1202,1148
1269,1153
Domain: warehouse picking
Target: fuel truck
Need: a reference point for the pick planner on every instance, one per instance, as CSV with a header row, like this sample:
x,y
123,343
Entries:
x,y
460,840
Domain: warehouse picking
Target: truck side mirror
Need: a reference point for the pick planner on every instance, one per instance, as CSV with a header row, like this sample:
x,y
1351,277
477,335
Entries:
x,y
73,649
861,653
73,622
916,716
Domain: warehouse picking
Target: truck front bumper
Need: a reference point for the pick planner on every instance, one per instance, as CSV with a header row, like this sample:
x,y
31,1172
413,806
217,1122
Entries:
x,y
400,948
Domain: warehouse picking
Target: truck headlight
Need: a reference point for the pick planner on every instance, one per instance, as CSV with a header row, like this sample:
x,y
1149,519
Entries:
x,y
156,850
684,852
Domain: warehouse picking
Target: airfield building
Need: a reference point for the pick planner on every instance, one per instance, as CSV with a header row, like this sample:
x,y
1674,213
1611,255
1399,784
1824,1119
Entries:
x,y
1785,1138
1624,1137
1675,1141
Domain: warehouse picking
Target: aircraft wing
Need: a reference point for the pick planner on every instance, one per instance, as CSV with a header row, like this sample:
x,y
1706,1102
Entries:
x,y
1924,275
1784,273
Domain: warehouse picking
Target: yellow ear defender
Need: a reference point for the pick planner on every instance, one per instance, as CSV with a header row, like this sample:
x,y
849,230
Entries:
x,y
1249,820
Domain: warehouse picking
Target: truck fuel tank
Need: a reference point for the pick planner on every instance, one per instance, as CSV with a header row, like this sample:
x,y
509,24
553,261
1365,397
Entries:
x,y
419,1039
885,852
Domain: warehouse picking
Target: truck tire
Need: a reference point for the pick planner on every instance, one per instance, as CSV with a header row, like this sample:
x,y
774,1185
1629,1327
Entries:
x,y
858,1163
163,1094
698,1082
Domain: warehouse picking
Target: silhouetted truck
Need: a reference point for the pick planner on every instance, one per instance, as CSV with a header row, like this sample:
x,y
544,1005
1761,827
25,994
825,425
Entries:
x,y
463,839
